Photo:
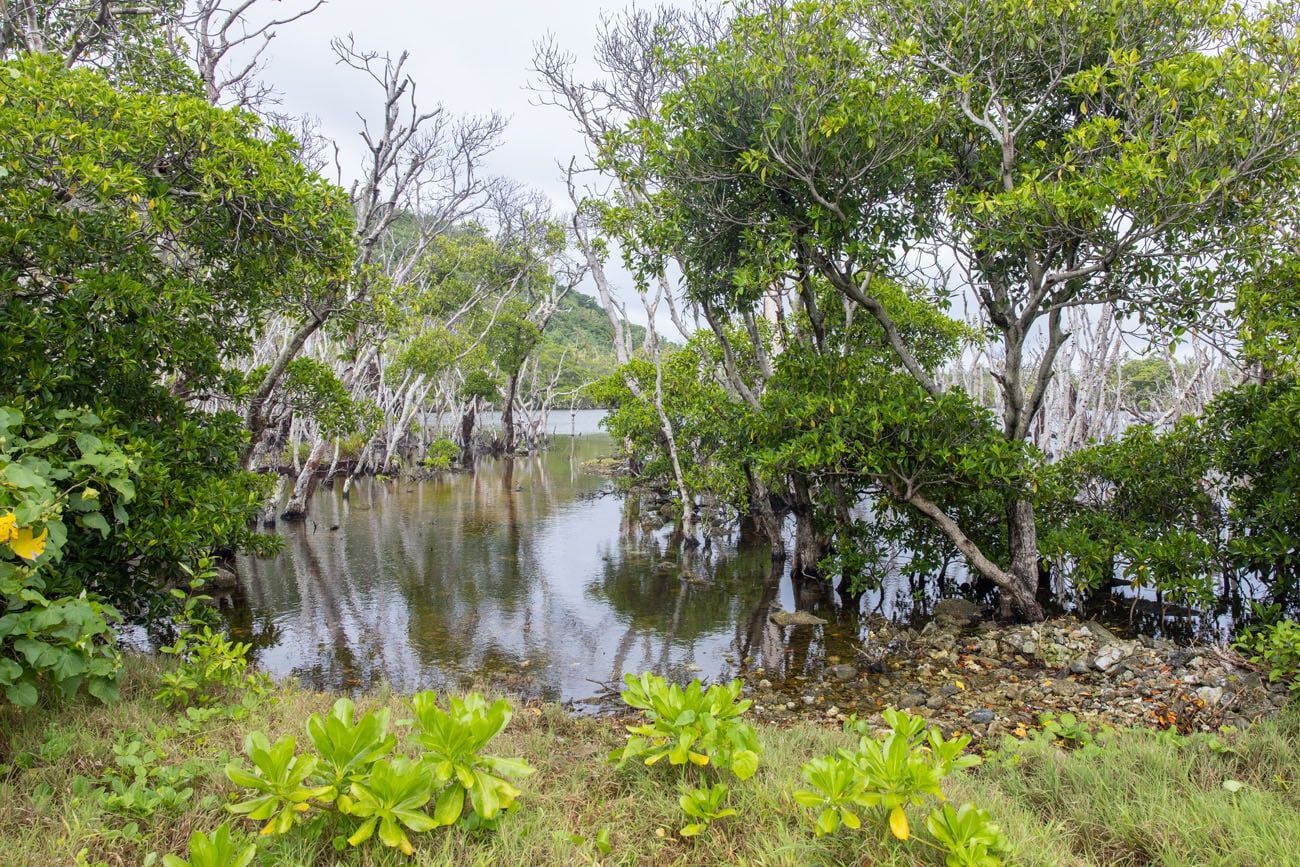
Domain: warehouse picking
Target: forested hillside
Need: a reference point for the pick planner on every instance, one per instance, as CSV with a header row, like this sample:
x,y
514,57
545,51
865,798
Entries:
x,y
579,343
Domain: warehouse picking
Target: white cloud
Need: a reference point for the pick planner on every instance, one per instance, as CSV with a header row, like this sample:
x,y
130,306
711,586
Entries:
x,y
472,57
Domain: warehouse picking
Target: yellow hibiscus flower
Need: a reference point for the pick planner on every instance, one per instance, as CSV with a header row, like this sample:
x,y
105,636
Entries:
x,y
26,545
8,527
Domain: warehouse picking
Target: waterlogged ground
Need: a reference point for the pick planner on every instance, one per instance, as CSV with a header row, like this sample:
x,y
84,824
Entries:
x,y
532,575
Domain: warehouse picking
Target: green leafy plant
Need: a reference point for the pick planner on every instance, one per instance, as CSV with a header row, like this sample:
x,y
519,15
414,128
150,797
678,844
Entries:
x,y
279,776
210,667
903,769
347,749
1067,729
971,838
391,799
58,474
1276,646
217,850
142,783
704,804
453,740
695,725
440,455
600,843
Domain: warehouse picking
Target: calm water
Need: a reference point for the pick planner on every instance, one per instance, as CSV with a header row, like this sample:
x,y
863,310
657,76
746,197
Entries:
x,y
529,573
532,575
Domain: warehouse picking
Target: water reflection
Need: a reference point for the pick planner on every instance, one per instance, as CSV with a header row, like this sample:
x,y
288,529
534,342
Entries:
x,y
530,573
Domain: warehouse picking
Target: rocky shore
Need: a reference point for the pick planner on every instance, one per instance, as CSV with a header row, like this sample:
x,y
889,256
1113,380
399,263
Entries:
x,y
968,674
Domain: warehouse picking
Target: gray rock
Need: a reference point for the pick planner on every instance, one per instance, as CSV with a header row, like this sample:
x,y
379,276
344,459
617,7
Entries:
x,y
936,702
1065,688
843,672
795,618
1111,656
912,699
1211,695
980,716
1103,635
1079,665
224,579
957,610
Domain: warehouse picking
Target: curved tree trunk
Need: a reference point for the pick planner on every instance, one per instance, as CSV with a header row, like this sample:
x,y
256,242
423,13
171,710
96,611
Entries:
x,y
305,485
1018,590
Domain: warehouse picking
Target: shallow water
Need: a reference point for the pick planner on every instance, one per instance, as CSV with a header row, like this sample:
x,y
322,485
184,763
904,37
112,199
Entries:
x,y
532,575
529,572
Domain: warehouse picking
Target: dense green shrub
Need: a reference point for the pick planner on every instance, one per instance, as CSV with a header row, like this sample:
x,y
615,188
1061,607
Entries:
x,y
440,455
692,727
354,774
144,239
692,724
886,776
59,475
1189,510
215,850
1276,646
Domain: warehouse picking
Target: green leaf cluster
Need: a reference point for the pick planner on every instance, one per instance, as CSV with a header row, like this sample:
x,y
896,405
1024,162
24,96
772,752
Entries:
x,y
905,768
60,472
354,771
692,724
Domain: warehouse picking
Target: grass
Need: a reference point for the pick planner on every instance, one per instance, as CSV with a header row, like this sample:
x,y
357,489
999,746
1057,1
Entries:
x,y
1138,799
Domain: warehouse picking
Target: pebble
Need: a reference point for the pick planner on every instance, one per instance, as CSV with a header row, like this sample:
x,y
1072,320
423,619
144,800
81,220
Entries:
x,y
990,680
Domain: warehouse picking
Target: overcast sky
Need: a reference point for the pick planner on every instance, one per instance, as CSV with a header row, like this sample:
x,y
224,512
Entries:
x,y
471,56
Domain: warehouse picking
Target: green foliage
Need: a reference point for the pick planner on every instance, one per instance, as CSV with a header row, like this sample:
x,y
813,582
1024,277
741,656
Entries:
x,y
391,798
278,778
440,455
704,804
695,725
1186,510
1136,509
453,740
578,343
144,239
209,666
216,850
312,390
346,748
1276,646
141,783
57,474
904,769
806,152
1252,431
1067,730
352,770
970,836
